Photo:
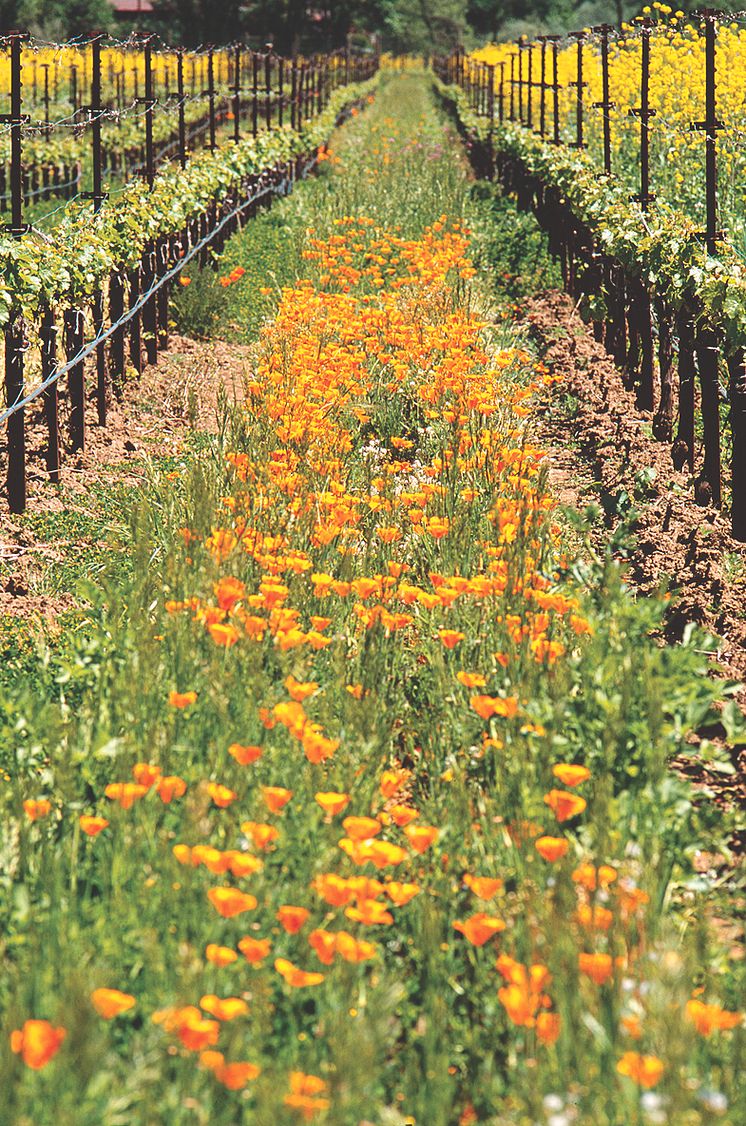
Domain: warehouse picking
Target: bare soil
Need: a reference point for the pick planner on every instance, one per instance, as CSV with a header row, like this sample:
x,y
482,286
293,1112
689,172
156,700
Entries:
x,y
184,392
601,447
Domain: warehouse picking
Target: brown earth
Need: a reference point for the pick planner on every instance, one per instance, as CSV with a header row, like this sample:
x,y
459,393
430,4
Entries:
x,y
601,448
183,392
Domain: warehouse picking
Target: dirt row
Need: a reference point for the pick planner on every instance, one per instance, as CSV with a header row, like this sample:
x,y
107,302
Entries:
x,y
602,451
157,413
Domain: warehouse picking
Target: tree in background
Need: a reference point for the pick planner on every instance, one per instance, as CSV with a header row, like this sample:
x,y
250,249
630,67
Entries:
x,y
56,19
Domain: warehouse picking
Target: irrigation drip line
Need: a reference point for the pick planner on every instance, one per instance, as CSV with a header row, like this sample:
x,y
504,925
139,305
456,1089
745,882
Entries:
x,y
270,189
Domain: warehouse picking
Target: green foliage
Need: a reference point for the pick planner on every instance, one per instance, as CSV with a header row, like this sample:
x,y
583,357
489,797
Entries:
x,y
662,247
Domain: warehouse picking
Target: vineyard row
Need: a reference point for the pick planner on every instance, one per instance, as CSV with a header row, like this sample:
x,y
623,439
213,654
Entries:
x,y
666,298
98,284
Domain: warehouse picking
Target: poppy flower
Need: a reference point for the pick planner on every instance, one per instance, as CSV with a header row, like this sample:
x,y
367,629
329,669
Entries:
x,y
402,815
488,706
354,950
229,901
261,835
35,810
182,699
275,797
291,919
229,591
110,1003
484,887
401,894
331,802
590,877
548,1027
598,967
224,634
92,825
125,793
224,1008
361,828
645,1071
37,1042
564,805
480,928
570,773
420,837
221,795
146,773
234,1075
471,679
244,755
450,637
392,781
197,1034
296,977
220,955
170,787
300,690
551,848
711,1018
370,913
254,950
304,1095
324,943
242,863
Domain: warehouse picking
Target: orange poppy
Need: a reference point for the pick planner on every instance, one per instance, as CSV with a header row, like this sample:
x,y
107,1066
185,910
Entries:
x,y
300,690
570,773
370,913
711,1018
146,773
331,802
450,637
484,887
480,928
551,848
235,1075
92,825
392,781
598,967
564,805
262,835
170,787
223,634
275,797
361,828
420,837
646,1071
110,1003
254,950
125,793
35,810
401,894
37,1042
224,1008
296,977
402,815
324,943
354,950
488,706
548,1027
221,795
182,699
244,755
291,919
220,955
229,901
